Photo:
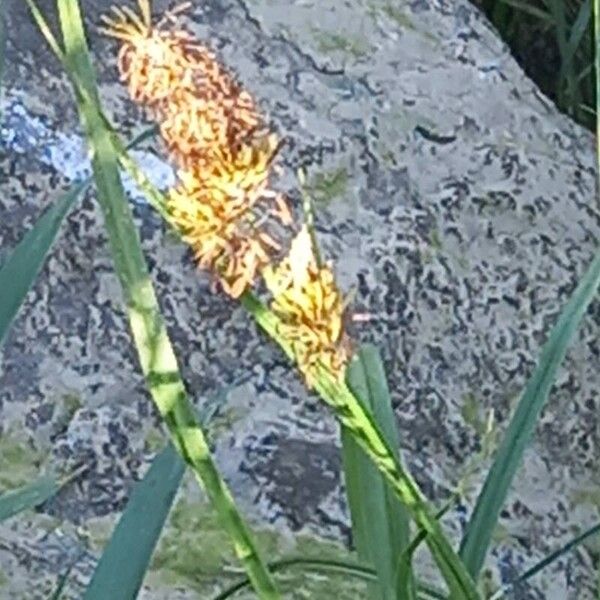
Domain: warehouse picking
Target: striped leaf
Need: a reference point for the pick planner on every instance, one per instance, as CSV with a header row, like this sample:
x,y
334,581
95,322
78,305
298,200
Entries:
x,y
380,524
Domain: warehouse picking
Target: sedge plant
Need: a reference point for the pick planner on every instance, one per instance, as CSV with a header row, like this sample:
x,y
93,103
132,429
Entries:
x,y
244,234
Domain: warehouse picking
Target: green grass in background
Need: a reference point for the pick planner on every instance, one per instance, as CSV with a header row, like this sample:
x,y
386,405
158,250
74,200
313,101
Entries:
x,y
554,42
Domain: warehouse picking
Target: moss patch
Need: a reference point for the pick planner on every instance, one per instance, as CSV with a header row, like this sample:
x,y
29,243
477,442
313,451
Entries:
x,y
155,440
98,531
196,553
72,403
19,463
586,496
326,186
329,42
470,411
399,17
435,239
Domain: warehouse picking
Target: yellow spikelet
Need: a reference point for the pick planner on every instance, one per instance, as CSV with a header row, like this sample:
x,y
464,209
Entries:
x,y
311,308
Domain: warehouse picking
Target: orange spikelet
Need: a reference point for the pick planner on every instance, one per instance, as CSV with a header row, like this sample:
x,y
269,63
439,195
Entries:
x,y
214,133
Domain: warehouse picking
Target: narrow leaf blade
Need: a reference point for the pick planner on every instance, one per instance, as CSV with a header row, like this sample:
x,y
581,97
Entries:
x,y
508,458
568,547
351,569
578,30
27,497
20,269
379,521
2,46
124,562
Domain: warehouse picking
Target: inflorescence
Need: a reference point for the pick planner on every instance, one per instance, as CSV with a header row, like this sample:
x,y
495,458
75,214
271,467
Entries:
x,y
223,205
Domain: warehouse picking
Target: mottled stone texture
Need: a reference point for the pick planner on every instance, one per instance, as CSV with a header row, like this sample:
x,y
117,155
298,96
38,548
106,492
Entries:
x,y
455,199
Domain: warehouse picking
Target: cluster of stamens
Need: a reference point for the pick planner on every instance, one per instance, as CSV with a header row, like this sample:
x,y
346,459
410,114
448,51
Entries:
x,y
222,204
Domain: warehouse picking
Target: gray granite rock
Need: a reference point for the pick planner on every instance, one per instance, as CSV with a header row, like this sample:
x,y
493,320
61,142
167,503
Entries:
x,y
452,195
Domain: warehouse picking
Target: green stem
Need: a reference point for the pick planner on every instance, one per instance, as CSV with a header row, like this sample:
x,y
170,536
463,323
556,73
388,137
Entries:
x,y
367,434
154,348
159,363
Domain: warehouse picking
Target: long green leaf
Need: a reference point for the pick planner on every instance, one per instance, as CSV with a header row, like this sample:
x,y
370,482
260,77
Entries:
x,y
155,351
27,497
380,524
597,73
125,559
351,569
20,269
479,530
2,48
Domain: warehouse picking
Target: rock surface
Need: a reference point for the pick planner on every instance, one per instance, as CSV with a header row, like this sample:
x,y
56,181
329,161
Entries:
x,y
456,200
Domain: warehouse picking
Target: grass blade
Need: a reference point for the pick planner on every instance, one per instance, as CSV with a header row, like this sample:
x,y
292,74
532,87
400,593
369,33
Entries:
x,y
124,562
525,7
508,458
2,48
27,497
154,348
20,269
352,569
597,73
64,578
577,31
380,524
542,564
347,568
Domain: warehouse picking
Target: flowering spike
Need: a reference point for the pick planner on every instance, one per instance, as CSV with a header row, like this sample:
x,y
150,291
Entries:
x,y
310,307
217,138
